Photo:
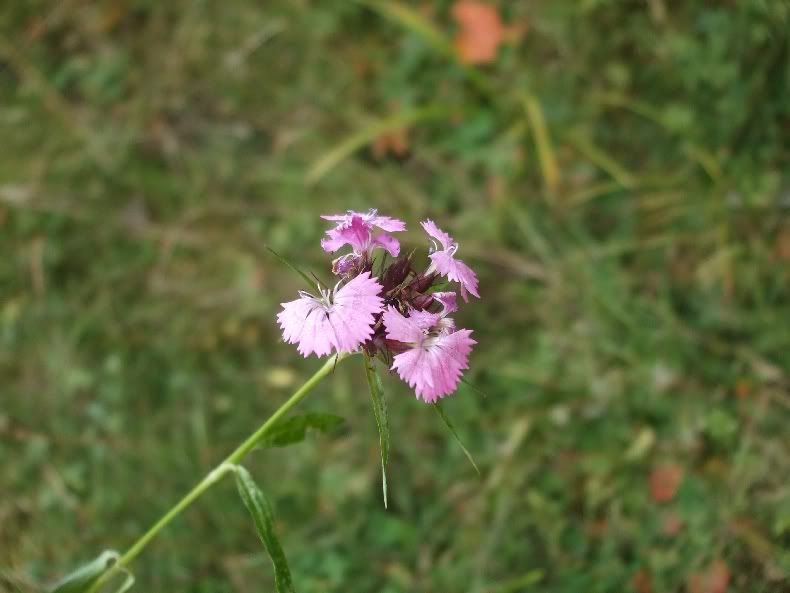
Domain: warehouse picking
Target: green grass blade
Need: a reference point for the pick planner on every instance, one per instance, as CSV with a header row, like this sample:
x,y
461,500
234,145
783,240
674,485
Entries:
x,y
294,429
83,577
515,585
473,387
310,281
546,157
260,510
127,583
369,133
601,159
380,413
413,21
700,155
448,424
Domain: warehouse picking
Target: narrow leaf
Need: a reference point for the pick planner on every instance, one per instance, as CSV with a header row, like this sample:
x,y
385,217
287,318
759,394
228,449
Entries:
x,y
86,575
380,413
601,159
369,133
310,281
411,20
446,420
260,510
473,387
702,156
548,162
127,583
294,429
517,584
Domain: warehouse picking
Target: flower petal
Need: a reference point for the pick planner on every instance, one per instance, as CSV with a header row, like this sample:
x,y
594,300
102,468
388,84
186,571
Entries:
x,y
438,234
434,370
304,322
448,302
409,330
333,241
356,233
456,271
390,244
385,223
353,313
343,326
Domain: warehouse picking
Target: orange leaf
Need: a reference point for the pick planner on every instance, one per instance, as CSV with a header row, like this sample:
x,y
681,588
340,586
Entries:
x,y
714,579
395,142
665,481
641,581
743,388
782,247
672,524
481,31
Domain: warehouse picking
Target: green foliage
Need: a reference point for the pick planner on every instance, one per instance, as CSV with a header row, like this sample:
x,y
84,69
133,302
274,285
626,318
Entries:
x,y
379,402
261,512
294,429
295,269
440,410
86,575
152,151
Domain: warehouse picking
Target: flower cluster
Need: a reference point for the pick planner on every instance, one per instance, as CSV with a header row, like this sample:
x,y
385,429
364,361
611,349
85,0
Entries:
x,y
394,311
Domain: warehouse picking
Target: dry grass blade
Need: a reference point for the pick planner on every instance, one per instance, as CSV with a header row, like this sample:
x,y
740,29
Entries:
x,y
540,132
369,133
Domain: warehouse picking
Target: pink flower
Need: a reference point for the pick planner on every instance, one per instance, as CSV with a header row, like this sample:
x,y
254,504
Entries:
x,y
359,234
340,319
443,261
370,218
437,354
447,301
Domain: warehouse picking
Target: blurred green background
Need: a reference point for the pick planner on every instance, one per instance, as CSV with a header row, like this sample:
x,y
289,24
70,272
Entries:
x,y
619,176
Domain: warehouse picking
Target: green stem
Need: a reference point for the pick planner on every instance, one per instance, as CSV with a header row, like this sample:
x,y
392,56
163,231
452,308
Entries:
x,y
216,474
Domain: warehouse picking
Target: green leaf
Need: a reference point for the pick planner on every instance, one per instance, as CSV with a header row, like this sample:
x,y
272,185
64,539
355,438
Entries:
x,y
127,583
294,429
380,413
446,420
473,387
86,575
261,511
310,281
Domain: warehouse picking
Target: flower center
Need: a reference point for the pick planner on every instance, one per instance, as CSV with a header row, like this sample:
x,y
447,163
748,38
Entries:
x,y
451,249
327,298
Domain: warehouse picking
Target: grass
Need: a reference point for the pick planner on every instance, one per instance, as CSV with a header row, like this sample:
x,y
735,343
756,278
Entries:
x,y
619,180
